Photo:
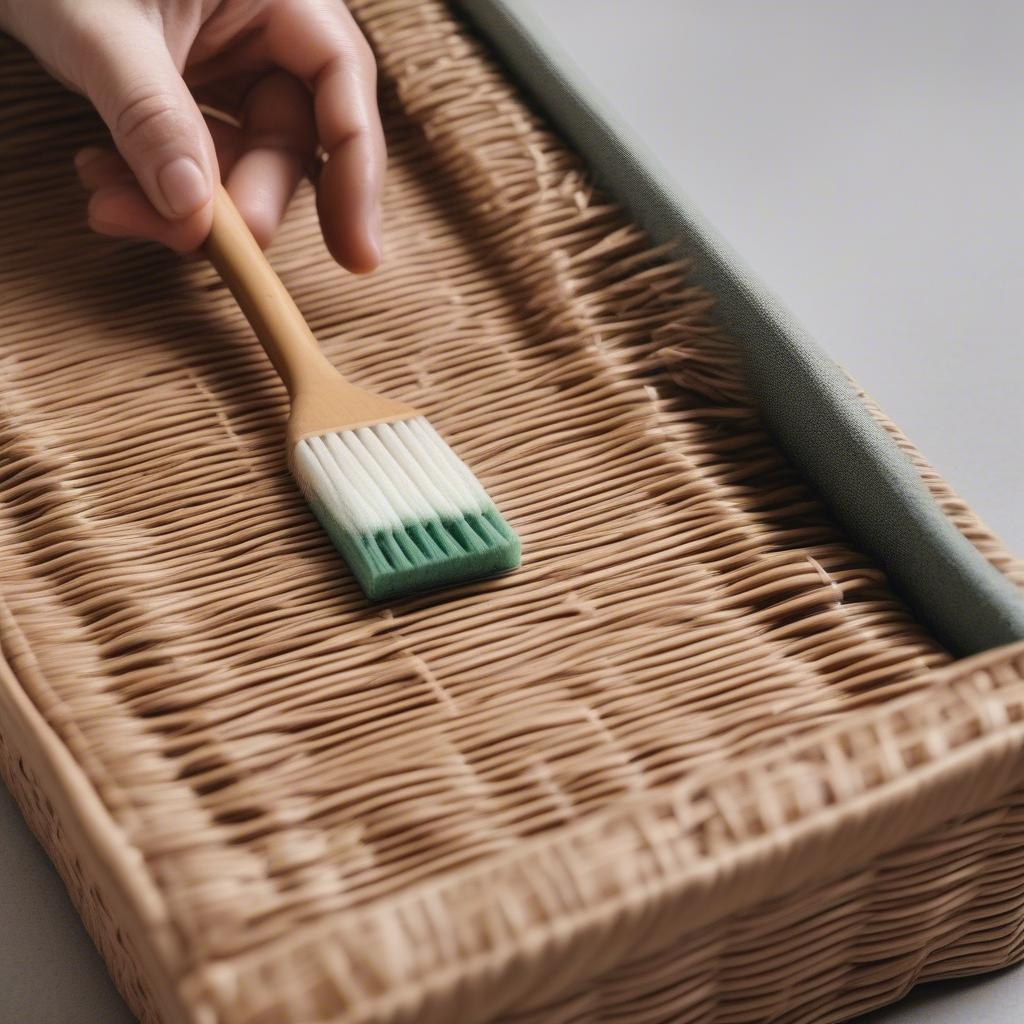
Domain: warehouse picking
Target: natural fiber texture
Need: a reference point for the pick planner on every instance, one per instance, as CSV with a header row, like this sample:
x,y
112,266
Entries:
x,y
838,949
952,504
276,803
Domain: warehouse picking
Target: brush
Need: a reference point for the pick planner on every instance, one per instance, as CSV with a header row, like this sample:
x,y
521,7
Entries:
x,y
399,505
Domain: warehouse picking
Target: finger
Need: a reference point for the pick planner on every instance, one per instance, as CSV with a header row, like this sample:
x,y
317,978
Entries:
x,y
228,142
223,59
279,136
124,211
320,43
97,167
104,168
132,80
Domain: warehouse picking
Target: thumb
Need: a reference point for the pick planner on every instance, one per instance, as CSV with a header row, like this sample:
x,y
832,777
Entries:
x,y
157,126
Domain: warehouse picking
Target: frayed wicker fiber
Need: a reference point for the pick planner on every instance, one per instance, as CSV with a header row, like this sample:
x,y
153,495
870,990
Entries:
x,y
694,762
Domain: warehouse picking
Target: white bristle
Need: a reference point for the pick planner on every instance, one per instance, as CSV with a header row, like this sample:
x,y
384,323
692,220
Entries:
x,y
387,475
461,471
429,454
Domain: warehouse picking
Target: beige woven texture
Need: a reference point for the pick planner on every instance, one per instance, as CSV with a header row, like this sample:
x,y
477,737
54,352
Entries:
x,y
694,762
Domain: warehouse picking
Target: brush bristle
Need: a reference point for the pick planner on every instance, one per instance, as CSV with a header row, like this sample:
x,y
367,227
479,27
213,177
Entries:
x,y
402,508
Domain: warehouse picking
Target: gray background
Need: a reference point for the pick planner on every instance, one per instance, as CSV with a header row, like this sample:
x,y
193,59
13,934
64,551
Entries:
x,y
867,159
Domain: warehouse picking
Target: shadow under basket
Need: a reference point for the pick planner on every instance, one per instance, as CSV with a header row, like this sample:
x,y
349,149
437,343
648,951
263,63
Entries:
x,y
720,751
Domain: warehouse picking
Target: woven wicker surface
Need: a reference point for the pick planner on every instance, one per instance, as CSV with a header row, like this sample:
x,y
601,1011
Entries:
x,y
952,504
274,802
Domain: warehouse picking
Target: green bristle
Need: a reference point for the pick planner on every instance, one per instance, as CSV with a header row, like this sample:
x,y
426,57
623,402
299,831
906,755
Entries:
x,y
404,511
425,556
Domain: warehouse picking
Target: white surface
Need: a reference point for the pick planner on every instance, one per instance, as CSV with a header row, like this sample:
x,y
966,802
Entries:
x,y
867,159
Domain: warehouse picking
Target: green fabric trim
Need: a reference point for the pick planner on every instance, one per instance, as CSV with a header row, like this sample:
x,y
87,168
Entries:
x,y
871,487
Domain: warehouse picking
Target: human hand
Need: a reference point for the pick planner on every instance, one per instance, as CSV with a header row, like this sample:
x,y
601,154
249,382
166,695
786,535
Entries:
x,y
297,75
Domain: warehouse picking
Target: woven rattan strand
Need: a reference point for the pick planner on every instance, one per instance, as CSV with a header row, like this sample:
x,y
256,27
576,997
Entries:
x,y
565,795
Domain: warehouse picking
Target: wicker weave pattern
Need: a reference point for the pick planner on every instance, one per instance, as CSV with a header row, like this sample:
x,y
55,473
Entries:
x,y
441,811
837,950
625,883
952,504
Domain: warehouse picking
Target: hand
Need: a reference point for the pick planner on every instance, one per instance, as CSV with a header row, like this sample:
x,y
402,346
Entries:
x,y
297,75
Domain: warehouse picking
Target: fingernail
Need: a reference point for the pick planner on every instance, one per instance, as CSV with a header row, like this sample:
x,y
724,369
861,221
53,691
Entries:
x,y
86,156
99,219
184,186
108,227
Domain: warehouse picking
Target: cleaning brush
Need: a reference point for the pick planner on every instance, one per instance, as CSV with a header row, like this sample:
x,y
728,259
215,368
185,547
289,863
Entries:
x,y
399,505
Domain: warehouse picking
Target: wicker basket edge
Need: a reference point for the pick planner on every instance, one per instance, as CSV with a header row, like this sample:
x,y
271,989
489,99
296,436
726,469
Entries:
x,y
125,914
831,803
653,876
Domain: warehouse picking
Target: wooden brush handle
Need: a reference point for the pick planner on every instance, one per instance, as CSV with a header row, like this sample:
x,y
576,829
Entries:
x,y
265,301
323,401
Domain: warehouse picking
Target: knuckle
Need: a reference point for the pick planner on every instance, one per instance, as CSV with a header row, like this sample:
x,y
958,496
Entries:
x,y
364,51
148,118
366,59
